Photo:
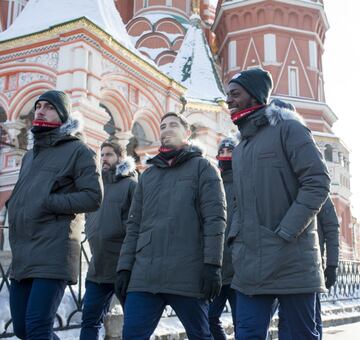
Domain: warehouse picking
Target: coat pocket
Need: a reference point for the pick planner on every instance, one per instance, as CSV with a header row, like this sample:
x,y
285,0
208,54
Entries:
x,y
233,233
143,240
268,160
278,258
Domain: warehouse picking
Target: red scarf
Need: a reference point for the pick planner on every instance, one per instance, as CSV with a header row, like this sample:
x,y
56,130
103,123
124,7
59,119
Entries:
x,y
43,123
223,158
243,113
164,149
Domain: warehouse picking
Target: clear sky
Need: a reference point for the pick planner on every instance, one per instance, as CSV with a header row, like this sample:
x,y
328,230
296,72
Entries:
x,y
342,81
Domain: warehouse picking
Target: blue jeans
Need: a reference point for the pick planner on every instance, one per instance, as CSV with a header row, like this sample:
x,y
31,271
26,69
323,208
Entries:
x,y
254,313
216,308
97,301
284,327
143,312
33,305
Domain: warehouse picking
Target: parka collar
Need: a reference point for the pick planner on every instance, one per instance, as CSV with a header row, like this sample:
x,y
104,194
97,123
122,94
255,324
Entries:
x,y
227,176
188,152
269,115
63,133
126,168
251,124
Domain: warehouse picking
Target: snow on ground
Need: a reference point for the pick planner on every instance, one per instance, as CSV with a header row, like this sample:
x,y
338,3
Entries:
x,y
4,308
348,332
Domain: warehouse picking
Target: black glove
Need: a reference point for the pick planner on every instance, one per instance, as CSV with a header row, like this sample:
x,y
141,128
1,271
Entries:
x,y
211,281
330,276
121,284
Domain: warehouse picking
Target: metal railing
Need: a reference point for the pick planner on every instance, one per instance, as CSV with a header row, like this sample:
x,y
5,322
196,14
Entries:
x,y
76,293
347,287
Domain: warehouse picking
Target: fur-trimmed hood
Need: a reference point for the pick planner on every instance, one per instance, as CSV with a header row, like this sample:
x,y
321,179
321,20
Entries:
x,y
126,167
70,130
276,114
71,127
273,115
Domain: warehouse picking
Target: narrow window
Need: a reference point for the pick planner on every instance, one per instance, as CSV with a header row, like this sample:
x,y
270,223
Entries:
x,y
313,54
232,54
270,48
293,81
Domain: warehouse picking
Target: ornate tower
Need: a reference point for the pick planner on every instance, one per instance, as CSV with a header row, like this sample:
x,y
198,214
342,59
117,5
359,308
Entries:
x,y
158,27
286,37
9,10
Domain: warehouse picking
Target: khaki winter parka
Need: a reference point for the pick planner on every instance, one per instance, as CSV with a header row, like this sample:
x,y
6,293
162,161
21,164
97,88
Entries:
x,y
280,183
105,228
176,225
58,180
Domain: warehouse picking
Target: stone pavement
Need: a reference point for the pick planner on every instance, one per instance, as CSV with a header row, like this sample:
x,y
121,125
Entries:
x,y
343,332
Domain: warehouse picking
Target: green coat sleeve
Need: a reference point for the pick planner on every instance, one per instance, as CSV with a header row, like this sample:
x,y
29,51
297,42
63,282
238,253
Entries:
x,y
128,249
87,193
212,204
311,173
329,224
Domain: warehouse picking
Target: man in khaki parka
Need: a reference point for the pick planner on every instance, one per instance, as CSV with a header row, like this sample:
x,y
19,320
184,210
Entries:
x,y
58,180
172,252
105,230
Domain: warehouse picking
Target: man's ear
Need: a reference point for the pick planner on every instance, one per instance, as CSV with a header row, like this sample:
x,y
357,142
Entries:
x,y
188,134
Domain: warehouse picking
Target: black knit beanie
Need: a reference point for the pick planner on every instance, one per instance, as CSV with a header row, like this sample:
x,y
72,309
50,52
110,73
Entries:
x,y
60,100
227,142
257,82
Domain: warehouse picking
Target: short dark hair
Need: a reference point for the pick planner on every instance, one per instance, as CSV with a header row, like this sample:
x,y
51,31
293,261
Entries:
x,y
118,149
179,116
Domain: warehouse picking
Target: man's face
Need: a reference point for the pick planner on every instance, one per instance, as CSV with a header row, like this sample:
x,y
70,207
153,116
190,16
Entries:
x,y
238,98
108,158
172,133
46,112
225,152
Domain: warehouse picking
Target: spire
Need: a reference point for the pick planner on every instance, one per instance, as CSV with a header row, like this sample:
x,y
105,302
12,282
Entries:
x,y
195,7
194,66
40,15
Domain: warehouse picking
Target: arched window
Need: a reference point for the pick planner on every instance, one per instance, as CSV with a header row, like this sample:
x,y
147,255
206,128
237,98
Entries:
x,y
3,117
110,127
341,159
328,153
140,135
3,133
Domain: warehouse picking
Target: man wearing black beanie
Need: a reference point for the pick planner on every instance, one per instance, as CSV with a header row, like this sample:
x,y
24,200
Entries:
x,y
280,184
58,181
217,306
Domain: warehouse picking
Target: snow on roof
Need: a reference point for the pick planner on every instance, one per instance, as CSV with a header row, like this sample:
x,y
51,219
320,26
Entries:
x,y
155,17
152,52
194,66
40,15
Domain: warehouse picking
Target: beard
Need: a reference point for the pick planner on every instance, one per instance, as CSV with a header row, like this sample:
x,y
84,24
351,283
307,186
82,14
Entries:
x,y
108,166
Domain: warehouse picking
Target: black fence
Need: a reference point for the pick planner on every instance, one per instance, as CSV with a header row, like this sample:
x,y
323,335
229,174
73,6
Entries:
x,y
76,292
347,287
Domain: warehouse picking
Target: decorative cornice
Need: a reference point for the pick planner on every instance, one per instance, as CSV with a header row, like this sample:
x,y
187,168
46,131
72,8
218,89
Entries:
x,y
24,53
240,3
302,103
194,105
62,32
269,27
